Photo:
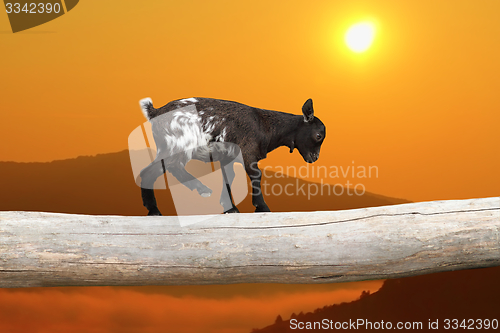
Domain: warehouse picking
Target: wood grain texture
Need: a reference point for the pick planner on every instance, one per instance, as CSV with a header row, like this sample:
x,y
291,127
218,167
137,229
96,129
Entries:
x,y
47,249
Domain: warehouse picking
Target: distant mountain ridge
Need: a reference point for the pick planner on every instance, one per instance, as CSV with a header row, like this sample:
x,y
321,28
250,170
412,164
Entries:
x,y
468,295
104,185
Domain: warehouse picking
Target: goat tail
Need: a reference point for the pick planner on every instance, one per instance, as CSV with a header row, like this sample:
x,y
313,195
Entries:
x,y
147,107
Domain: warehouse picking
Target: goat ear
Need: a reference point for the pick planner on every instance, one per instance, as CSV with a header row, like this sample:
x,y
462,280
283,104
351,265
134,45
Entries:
x,y
307,110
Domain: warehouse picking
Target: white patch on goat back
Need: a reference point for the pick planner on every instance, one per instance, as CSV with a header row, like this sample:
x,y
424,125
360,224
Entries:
x,y
222,136
180,131
209,124
188,100
191,135
209,128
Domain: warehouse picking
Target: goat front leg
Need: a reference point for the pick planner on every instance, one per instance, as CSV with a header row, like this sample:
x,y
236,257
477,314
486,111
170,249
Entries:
x,y
226,197
255,175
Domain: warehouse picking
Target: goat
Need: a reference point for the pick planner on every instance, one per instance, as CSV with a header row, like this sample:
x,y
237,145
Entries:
x,y
203,136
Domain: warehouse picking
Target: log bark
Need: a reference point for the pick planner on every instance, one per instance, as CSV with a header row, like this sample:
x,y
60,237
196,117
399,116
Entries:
x,y
47,249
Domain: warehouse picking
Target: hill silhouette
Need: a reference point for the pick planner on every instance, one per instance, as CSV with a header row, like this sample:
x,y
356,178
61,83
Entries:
x,y
469,294
104,185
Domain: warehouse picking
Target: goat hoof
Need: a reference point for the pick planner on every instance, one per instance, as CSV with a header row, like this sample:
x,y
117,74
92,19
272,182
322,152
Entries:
x,y
262,209
204,192
232,210
154,212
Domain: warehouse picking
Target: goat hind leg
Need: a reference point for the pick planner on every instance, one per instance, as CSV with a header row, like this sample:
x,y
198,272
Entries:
x,y
148,177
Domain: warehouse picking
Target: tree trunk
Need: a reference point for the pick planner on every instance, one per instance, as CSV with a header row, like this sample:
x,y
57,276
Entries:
x,y
46,249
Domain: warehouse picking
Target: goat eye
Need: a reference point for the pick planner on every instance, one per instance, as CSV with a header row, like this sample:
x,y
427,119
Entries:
x,y
318,136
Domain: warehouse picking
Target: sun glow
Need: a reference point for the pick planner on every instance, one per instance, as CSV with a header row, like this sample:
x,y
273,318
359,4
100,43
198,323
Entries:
x,y
359,37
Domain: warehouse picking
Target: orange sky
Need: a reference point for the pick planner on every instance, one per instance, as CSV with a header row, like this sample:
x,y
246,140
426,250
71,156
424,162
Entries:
x,y
422,104
186,309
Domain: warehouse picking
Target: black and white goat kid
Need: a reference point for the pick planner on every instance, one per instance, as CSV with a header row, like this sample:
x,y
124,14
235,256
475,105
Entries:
x,y
204,135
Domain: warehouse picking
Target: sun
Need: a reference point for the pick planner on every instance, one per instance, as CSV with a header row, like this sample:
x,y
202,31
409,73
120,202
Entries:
x,y
359,37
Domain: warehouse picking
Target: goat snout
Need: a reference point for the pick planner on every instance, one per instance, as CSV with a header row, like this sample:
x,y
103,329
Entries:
x,y
312,157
